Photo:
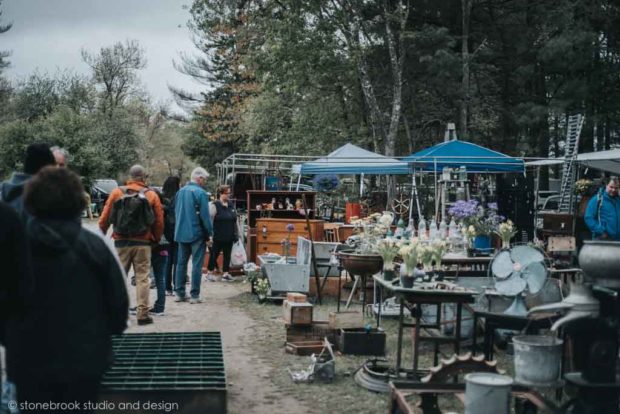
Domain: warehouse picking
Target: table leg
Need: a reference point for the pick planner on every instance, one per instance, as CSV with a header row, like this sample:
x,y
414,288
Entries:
x,y
339,289
380,303
399,348
355,280
457,334
474,341
416,337
436,344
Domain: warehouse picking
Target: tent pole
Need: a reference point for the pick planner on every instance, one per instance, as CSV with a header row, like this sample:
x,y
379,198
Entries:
x,y
361,184
298,181
436,192
536,186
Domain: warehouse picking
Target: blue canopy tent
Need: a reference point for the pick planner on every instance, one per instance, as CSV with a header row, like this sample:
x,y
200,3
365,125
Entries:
x,y
351,159
455,154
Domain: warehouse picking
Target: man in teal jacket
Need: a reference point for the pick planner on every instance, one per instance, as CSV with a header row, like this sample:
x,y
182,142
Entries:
x,y
192,231
603,213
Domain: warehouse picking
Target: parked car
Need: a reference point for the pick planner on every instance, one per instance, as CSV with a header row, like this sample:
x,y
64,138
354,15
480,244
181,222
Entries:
x,y
100,191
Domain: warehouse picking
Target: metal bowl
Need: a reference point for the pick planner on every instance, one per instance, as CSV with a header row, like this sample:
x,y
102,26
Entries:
x,y
360,264
600,260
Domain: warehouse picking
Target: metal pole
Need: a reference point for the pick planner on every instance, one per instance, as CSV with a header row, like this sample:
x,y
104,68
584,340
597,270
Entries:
x,y
361,184
298,181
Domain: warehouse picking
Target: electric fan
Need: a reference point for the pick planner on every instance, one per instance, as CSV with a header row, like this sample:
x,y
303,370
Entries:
x,y
518,270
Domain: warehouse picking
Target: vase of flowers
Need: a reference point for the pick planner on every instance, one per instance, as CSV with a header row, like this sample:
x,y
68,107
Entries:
x,y
262,289
506,231
484,221
388,250
286,243
439,248
408,251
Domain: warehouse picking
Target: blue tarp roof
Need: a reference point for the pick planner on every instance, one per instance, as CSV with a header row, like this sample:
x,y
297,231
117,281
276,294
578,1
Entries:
x,y
474,158
351,159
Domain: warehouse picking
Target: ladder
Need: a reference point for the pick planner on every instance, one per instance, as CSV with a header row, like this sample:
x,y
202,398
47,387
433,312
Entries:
x,y
571,149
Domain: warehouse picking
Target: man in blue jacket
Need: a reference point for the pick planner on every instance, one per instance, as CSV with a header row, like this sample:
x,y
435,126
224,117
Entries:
x,y
193,229
603,213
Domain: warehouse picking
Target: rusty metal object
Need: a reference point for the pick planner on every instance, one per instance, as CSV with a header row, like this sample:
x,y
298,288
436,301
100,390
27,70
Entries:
x,y
360,264
600,260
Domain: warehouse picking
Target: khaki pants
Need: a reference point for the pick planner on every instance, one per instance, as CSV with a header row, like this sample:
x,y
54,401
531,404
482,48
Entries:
x,y
140,258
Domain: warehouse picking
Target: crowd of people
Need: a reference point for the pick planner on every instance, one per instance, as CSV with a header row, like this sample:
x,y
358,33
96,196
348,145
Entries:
x,y
64,289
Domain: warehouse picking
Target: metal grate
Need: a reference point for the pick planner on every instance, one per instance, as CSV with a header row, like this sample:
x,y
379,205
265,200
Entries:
x,y
183,365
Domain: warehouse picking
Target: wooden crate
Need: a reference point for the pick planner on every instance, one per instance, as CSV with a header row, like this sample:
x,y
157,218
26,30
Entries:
x,y
297,313
315,332
346,319
304,347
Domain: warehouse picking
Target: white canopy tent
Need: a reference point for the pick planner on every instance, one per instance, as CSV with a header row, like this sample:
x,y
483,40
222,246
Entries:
x,y
608,161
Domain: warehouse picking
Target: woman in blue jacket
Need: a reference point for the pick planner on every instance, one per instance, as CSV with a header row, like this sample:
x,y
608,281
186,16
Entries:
x,y
603,213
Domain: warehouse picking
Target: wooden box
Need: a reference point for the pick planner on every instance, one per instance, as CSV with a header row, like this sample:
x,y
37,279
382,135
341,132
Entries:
x,y
297,313
314,332
304,347
358,341
346,319
296,297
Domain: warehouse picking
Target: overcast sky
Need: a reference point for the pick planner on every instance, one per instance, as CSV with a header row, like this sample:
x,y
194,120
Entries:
x,y
48,34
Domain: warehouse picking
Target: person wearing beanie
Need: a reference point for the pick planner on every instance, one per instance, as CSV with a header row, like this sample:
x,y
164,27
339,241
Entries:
x,y
11,191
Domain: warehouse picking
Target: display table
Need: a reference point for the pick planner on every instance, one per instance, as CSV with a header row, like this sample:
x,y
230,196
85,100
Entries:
x,y
412,299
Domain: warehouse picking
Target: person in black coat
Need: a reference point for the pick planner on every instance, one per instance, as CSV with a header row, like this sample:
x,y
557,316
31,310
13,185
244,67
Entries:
x,y
15,277
59,345
224,218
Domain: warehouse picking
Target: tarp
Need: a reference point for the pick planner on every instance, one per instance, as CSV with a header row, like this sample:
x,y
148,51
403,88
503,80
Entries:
x,y
601,160
351,159
455,154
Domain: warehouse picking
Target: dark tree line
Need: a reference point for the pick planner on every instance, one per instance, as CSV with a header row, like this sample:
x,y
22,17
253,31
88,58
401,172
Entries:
x,y
304,76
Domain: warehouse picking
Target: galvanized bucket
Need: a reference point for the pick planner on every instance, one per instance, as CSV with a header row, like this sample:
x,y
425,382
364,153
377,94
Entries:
x,y
537,359
487,393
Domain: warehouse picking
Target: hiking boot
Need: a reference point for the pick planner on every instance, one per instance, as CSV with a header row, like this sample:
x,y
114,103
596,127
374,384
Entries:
x,y
195,300
227,277
211,277
145,321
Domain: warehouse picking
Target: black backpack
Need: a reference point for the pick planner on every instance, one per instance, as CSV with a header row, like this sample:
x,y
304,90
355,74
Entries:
x,y
169,219
132,214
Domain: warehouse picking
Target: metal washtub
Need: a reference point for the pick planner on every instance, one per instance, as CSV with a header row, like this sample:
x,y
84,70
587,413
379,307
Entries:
x,y
186,369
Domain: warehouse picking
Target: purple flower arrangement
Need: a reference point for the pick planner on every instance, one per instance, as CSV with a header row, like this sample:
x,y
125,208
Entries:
x,y
471,213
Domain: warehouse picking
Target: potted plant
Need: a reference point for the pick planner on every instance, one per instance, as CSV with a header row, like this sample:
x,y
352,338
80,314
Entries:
x,y
484,220
585,189
506,231
388,249
409,252
262,289
439,248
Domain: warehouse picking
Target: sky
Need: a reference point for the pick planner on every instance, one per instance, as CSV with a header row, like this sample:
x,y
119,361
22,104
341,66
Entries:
x,y
47,35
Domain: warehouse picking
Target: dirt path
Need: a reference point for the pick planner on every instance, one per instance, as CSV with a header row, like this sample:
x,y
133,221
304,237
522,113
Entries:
x,y
249,387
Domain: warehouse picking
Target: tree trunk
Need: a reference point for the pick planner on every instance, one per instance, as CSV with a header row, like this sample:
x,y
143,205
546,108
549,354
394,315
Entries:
x,y
464,110
408,133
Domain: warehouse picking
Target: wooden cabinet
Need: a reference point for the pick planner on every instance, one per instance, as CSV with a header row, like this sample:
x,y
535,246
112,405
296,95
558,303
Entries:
x,y
270,232
261,199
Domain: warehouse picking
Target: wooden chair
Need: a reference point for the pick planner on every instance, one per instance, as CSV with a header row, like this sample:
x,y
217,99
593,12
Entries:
x,y
330,232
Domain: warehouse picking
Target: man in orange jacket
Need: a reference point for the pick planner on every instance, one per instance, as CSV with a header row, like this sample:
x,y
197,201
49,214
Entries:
x,y
137,217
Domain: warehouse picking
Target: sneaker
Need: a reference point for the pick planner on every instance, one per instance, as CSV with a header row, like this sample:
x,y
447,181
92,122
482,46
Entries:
x,y
211,277
180,299
145,321
133,311
133,281
169,293
156,313
196,300
153,285
228,278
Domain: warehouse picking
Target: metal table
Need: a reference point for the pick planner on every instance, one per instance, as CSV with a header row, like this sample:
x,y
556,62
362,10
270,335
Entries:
x,y
412,299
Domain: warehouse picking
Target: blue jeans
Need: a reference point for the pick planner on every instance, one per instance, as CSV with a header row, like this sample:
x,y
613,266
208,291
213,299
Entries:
x,y
197,250
159,262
